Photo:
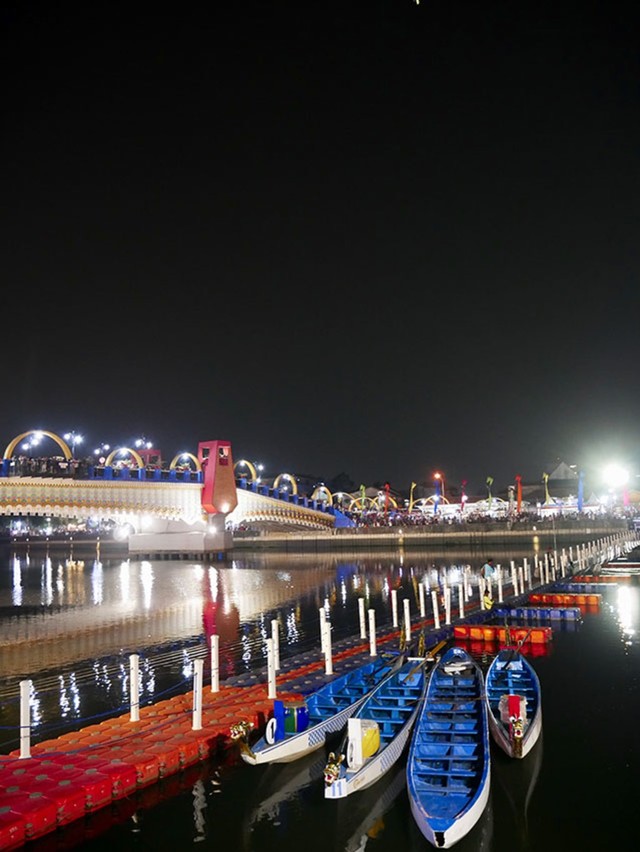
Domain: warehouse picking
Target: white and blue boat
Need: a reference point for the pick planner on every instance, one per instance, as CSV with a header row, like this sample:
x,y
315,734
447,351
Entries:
x,y
379,731
448,767
514,702
297,728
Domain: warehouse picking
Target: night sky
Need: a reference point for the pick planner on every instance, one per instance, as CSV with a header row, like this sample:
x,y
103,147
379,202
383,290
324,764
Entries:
x,y
379,238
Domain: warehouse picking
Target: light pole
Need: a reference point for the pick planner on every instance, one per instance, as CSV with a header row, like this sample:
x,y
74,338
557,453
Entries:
x,y
101,452
439,478
73,438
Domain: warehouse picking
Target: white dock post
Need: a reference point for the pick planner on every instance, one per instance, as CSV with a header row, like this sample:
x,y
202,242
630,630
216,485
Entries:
x,y
25,719
363,624
421,597
323,618
426,582
514,580
198,669
461,600
436,613
407,620
134,688
372,633
275,635
521,578
394,606
499,573
447,604
271,670
328,659
215,662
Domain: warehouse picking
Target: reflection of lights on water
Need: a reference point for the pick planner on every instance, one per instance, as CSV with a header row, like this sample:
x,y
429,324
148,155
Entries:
x,y
198,571
125,577
35,706
343,591
627,611
187,666
47,582
213,583
97,580
16,590
246,649
292,632
146,580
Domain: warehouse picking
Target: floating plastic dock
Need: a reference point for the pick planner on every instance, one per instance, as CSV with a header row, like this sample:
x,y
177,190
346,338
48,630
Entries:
x,y
557,599
553,613
495,633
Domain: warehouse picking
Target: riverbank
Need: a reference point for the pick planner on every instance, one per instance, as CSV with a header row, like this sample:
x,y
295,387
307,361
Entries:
x,y
474,537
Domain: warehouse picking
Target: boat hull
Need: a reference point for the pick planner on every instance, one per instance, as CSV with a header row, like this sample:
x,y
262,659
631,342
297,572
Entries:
x,y
449,768
391,710
511,676
329,709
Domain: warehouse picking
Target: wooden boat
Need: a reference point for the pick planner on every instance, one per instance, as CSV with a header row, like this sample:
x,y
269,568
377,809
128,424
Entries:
x,y
448,768
514,703
299,727
379,730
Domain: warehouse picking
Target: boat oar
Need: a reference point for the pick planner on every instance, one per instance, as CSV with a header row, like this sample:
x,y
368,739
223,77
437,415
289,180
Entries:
x,y
428,658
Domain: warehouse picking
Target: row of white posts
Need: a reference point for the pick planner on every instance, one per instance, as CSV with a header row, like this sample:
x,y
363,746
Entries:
x,y
548,570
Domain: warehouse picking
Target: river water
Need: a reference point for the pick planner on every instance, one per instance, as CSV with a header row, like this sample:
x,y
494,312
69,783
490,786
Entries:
x,y
70,628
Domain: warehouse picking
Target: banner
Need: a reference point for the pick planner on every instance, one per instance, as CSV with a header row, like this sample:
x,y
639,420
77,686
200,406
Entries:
x,y
518,493
413,485
580,490
489,498
547,500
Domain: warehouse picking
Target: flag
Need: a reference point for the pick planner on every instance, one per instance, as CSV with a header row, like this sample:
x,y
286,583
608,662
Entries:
x,y
489,484
580,490
518,493
545,476
413,485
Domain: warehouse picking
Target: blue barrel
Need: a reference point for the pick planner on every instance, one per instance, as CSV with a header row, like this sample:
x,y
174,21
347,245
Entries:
x,y
296,717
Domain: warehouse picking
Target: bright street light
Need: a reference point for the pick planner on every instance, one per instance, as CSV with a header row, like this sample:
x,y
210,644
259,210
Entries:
x,y
615,476
73,438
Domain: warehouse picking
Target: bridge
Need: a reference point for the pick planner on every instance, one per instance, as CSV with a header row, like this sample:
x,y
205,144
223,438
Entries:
x,y
188,507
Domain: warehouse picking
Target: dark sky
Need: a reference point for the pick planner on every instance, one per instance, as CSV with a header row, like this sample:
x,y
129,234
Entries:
x,y
381,238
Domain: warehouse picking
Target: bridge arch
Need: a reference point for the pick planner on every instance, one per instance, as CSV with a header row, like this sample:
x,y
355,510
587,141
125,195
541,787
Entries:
x,y
137,457
8,453
190,456
289,478
252,471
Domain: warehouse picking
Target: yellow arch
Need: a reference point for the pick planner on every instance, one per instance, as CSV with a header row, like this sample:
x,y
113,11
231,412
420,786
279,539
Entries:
x,y
190,456
62,444
289,478
361,504
252,470
136,456
322,489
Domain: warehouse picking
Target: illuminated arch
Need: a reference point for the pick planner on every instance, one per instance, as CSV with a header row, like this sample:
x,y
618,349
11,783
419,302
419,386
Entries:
x,y
190,456
322,489
362,504
289,478
252,471
136,456
62,444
